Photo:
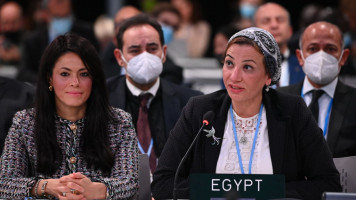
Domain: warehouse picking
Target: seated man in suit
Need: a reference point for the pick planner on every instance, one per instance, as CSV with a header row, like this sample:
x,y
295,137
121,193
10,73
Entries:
x,y
275,19
154,103
14,96
322,55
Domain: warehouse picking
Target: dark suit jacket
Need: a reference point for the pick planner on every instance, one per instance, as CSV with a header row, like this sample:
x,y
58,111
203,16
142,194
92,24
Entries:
x,y
36,42
14,96
174,98
298,149
296,73
341,136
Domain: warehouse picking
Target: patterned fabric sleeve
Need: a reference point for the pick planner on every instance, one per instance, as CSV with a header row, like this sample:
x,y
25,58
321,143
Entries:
x,y
14,164
123,182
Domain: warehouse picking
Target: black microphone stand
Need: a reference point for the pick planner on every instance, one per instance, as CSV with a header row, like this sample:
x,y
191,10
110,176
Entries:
x,y
184,158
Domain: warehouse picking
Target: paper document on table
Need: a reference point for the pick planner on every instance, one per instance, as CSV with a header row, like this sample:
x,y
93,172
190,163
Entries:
x,y
347,169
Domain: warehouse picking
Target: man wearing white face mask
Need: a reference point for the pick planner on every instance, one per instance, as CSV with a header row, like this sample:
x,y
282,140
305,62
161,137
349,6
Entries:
x,y
332,103
154,103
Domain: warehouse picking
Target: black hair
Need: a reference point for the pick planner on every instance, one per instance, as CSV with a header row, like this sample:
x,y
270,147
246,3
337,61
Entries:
x,y
138,20
94,139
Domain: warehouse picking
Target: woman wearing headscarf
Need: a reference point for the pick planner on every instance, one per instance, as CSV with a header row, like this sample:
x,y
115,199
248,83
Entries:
x,y
257,129
72,144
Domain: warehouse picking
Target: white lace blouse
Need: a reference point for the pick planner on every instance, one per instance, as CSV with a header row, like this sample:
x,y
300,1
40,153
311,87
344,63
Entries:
x,y
228,162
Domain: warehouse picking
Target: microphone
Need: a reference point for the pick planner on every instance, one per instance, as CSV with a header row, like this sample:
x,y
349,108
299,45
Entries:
x,y
208,117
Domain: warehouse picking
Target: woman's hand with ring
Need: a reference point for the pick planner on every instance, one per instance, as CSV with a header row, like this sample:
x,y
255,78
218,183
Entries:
x,y
73,191
81,184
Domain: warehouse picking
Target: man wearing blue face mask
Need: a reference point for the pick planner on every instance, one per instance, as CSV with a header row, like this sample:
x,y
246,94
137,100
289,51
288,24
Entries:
x,y
154,103
332,103
61,21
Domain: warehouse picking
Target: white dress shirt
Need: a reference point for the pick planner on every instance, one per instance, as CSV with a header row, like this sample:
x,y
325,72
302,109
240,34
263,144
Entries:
x,y
284,80
137,92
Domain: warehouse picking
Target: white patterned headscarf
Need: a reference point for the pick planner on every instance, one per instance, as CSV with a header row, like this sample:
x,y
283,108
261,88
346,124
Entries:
x,y
268,45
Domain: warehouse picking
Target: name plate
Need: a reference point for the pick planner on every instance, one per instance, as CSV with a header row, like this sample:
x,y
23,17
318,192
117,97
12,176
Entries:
x,y
236,186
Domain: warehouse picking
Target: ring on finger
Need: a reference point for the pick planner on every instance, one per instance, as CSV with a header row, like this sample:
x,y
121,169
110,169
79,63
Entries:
x,y
73,191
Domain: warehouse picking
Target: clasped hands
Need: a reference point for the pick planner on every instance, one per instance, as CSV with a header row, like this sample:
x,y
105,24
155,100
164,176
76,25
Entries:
x,y
73,186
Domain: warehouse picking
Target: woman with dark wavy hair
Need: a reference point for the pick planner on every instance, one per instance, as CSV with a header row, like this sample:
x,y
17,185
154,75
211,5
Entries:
x,y
72,145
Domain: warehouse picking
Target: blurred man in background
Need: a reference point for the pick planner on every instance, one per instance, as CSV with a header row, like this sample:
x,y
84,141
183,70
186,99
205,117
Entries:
x,y
110,66
10,38
276,20
61,21
14,96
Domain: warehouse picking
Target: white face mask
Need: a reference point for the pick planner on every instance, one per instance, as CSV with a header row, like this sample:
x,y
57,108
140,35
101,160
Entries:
x,y
321,67
144,68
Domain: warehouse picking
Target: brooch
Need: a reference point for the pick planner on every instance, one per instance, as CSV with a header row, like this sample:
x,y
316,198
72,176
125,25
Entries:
x,y
211,133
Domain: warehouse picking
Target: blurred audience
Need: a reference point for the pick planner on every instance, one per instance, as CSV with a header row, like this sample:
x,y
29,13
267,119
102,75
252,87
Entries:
x,y
104,31
169,18
110,65
193,36
246,11
336,17
322,55
348,8
221,38
220,41
154,103
61,21
308,15
11,26
14,96
40,14
275,19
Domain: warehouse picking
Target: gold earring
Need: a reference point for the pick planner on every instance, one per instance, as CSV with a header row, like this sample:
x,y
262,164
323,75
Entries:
x,y
50,88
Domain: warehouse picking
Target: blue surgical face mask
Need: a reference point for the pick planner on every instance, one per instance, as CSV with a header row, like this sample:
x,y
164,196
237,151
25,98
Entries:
x,y
247,10
168,33
60,26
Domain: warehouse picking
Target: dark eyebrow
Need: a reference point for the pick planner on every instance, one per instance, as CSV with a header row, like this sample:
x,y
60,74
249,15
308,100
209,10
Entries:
x,y
313,43
134,47
332,45
68,69
152,44
230,56
249,60
82,69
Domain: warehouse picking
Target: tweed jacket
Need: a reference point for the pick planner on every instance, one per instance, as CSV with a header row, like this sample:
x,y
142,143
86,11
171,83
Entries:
x,y
18,162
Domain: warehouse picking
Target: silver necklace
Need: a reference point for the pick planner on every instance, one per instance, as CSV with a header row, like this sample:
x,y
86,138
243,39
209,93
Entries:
x,y
243,139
